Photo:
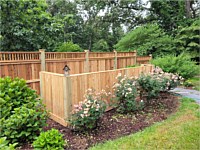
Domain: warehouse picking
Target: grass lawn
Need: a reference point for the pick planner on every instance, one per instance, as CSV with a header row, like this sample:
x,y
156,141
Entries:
x,y
195,82
179,131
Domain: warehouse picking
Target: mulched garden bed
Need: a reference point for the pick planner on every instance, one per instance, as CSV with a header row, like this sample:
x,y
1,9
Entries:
x,y
114,125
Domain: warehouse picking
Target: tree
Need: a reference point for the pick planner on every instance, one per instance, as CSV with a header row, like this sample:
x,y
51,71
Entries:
x,y
171,14
187,39
25,25
101,45
147,39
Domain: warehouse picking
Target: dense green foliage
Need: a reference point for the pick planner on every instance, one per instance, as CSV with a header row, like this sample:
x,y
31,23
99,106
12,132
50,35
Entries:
x,y
187,39
49,140
25,25
147,39
4,144
181,64
29,25
68,47
101,45
87,114
22,114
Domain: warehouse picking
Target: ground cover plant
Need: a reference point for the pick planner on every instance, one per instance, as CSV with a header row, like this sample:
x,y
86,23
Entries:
x,y
193,83
22,114
51,139
180,131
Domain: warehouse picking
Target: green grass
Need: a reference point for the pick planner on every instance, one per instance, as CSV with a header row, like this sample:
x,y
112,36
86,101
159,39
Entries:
x,y
195,82
181,131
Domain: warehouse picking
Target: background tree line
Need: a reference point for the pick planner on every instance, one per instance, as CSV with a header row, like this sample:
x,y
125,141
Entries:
x,y
159,28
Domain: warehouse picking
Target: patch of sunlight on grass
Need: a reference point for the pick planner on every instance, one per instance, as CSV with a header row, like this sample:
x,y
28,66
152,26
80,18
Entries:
x,y
180,131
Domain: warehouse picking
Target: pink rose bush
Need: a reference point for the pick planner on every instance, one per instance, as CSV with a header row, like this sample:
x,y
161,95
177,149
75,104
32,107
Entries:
x,y
88,112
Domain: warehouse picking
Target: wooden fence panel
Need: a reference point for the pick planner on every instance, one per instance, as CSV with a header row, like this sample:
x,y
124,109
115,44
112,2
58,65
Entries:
x,y
61,93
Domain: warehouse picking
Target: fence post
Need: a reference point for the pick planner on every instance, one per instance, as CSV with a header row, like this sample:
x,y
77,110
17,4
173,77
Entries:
x,y
42,58
115,59
67,97
86,60
135,57
150,56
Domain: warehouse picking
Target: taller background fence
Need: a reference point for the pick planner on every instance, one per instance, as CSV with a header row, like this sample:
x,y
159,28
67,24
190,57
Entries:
x,y
27,65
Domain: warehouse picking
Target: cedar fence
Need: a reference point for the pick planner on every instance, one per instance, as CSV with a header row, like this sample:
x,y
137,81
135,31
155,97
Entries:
x,y
27,65
60,93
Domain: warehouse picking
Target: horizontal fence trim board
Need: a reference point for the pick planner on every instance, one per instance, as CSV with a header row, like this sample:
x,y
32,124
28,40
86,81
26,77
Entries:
x,y
58,119
57,74
20,52
96,58
32,81
66,59
101,71
16,61
21,62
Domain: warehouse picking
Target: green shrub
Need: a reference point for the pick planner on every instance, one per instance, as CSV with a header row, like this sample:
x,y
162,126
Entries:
x,y
149,87
87,114
181,65
126,93
68,47
167,80
13,94
49,140
24,124
4,144
22,114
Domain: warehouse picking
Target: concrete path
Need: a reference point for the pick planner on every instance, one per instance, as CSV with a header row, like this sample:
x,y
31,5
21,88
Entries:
x,y
188,93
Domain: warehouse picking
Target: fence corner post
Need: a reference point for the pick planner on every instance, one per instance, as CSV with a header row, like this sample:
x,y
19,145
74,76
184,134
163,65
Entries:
x,y
42,58
150,56
67,89
87,61
115,59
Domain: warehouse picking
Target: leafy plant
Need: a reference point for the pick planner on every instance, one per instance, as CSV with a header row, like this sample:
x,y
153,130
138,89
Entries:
x,y
68,47
101,45
87,114
149,87
4,144
22,114
126,93
24,124
50,140
13,94
181,65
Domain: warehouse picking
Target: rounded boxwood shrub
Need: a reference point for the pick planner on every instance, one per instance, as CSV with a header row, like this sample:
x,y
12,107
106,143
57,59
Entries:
x,y
69,47
22,113
50,140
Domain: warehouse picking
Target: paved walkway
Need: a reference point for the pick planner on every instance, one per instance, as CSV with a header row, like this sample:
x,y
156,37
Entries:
x,y
188,93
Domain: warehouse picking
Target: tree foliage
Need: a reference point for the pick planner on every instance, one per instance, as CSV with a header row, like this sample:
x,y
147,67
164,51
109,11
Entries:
x,y
187,39
25,25
147,39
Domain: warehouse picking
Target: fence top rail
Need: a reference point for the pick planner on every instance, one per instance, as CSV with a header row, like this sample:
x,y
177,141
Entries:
x,y
20,52
74,75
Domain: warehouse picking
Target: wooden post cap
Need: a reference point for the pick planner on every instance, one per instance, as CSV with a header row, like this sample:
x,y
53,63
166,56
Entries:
x,y
41,50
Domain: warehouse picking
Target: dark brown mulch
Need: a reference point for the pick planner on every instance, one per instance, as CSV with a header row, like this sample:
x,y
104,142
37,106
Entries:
x,y
114,125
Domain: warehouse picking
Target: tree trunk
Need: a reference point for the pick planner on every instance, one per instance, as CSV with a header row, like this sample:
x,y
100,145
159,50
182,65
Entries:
x,y
187,8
